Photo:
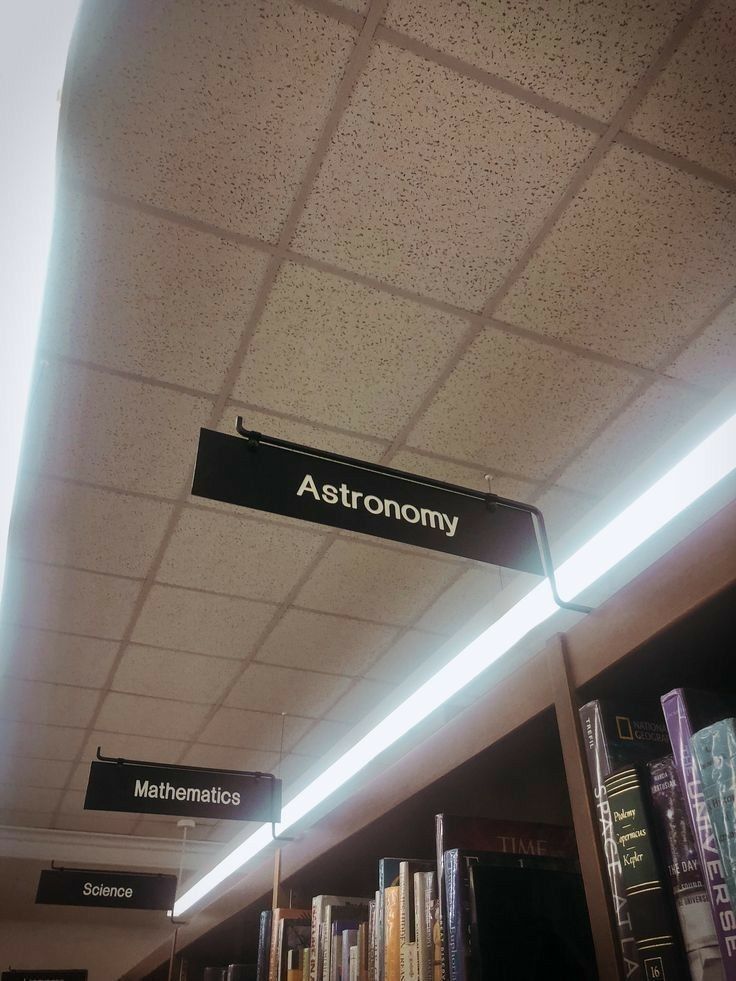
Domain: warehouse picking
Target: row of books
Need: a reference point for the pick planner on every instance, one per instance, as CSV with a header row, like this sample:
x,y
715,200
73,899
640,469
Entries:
x,y
499,900
663,774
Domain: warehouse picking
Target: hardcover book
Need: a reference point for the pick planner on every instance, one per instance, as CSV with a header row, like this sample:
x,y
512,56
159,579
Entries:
x,y
392,951
686,711
337,919
714,749
264,945
407,924
425,894
530,924
316,948
282,922
615,734
489,834
685,873
653,916
462,955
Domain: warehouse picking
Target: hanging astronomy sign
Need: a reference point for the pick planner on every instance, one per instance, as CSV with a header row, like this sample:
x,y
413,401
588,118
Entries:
x,y
273,475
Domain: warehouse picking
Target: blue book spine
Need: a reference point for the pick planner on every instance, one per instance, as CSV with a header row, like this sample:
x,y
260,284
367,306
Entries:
x,y
714,749
456,919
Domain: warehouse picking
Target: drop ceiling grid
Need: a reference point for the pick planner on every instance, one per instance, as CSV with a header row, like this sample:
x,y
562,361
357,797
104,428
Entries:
x,y
282,253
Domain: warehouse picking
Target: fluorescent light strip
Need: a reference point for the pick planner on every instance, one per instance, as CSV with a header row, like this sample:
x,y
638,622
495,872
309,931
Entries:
x,y
701,469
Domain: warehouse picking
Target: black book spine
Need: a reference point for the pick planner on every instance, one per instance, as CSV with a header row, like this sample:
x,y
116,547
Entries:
x,y
653,916
264,945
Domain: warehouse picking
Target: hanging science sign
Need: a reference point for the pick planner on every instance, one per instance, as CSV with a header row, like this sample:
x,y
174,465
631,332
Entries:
x,y
272,475
117,890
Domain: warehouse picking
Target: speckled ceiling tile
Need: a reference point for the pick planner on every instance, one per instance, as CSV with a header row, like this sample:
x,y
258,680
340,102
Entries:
x,y
632,437
358,6
147,296
462,474
113,431
374,583
227,554
642,254
209,108
433,181
68,600
344,354
88,527
518,406
548,47
710,360
691,110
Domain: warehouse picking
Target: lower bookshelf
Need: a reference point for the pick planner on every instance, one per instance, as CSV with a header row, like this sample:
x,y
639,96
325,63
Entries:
x,y
516,753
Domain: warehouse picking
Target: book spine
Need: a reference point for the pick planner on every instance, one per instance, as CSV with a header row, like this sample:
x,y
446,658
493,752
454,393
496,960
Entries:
x,y
684,869
437,955
273,954
424,950
404,914
680,730
392,956
455,924
349,939
353,964
264,945
599,768
714,749
441,912
326,946
653,918
372,935
314,937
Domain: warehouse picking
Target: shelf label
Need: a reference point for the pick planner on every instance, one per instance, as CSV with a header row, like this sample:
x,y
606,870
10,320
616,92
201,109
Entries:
x,y
355,496
120,890
142,788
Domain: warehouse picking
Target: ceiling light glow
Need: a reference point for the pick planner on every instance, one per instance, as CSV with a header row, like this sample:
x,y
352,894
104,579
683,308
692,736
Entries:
x,y
712,460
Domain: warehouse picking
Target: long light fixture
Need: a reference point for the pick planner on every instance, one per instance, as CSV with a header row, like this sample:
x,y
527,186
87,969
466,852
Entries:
x,y
33,53
712,460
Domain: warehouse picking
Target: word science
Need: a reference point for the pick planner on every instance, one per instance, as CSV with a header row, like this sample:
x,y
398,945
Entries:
x,y
268,474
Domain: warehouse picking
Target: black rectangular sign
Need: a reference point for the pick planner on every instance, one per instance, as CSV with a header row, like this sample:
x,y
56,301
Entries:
x,y
183,791
30,975
121,890
342,493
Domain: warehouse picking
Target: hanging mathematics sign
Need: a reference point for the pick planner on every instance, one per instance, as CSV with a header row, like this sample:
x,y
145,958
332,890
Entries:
x,y
120,890
44,975
143,788
283,478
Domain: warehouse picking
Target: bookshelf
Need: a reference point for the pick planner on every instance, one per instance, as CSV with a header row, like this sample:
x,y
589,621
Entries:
x,y
514,753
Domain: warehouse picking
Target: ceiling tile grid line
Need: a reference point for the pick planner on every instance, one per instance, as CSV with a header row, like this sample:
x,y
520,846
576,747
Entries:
x,y
402,633
624,113
636,393
457,64
676,161
496,82
578,180
357,58
472,316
